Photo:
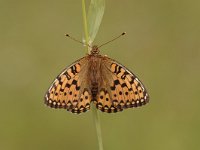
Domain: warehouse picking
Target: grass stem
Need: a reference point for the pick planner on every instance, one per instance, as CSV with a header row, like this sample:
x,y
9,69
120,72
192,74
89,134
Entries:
x,y
98,126
85,25
94,109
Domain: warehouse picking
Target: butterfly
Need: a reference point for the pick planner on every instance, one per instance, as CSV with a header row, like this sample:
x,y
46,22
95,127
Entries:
x,y
98,79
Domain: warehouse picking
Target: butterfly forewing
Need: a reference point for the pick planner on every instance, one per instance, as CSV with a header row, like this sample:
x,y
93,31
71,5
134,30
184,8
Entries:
x,y
123,89
69,90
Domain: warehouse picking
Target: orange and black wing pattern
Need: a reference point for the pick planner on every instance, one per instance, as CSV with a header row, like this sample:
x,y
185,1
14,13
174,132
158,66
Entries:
x,y
121,89
69,90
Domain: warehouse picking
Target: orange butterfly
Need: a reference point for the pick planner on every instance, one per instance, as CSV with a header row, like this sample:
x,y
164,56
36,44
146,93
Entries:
x,y
99,79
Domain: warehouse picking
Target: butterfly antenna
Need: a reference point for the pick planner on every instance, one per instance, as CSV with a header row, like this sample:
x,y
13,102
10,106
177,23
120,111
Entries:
x,y
77,40
112,39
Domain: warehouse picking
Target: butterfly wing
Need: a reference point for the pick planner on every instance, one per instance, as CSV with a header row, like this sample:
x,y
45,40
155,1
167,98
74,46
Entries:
x,y
121,89
69,90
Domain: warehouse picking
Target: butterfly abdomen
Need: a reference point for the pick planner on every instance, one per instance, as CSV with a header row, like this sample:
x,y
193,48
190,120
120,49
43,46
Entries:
x,y
94,91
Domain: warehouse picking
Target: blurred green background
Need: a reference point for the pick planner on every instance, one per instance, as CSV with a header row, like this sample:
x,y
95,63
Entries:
x,y
162,47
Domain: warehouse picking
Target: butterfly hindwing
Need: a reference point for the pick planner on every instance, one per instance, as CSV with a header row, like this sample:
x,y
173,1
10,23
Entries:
x,y
122,89
68,90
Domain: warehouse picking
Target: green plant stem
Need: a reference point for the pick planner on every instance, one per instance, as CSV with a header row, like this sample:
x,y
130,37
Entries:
x,y
94,110
85,25
98,126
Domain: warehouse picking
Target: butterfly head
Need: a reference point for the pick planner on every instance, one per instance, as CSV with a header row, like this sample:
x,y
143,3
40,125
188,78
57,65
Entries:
x,y
95,50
